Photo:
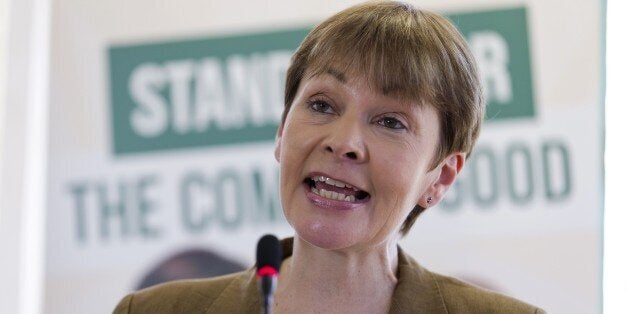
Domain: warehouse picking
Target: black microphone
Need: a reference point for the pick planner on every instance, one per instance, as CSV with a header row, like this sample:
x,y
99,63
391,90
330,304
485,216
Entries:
x,y
268,263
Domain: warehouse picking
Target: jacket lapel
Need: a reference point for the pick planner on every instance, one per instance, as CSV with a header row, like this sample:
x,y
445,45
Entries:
x,y
417,290
240,296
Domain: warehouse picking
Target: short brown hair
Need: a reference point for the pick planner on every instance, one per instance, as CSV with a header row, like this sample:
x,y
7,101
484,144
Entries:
x,y
404,51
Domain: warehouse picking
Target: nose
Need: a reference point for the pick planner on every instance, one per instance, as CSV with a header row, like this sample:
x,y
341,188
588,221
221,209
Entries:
x,y
346,140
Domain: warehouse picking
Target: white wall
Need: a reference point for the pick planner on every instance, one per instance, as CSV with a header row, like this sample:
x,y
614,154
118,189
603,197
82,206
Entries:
x,y
23,115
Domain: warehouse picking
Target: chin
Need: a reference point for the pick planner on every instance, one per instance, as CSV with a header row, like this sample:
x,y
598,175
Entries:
x,y
327,236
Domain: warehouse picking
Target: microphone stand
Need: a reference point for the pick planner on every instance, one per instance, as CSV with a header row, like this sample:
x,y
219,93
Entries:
x,y
267,286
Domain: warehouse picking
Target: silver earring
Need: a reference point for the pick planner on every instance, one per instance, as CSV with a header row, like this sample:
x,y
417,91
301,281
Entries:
x,y
429,200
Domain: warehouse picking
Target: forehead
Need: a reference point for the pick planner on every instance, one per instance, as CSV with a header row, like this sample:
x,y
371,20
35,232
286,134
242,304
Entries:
x,y
337,76
382,71
400,72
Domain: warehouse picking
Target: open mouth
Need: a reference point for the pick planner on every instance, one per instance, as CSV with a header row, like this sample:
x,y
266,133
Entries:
x,y
335,190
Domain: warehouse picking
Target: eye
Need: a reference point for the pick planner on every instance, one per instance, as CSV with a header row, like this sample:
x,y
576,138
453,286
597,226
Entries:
x,y
391,123
319,105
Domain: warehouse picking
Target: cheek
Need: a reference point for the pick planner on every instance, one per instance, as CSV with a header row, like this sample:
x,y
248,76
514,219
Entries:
x,y
402,180
278,149
292,152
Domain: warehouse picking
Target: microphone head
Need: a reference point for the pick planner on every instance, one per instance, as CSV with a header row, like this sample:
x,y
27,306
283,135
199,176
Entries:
x,y
268,256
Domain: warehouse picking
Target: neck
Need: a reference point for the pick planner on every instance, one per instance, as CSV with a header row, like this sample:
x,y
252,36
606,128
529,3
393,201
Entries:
x,y
349,281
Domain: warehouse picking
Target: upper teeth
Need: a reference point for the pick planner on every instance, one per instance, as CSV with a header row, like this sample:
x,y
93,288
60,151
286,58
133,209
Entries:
x,y
331,181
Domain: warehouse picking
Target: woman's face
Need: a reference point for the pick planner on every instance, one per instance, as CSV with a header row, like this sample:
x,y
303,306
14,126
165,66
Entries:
x,y
354,162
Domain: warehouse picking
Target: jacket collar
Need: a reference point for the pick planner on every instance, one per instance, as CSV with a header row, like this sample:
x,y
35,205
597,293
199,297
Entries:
x,y
417,290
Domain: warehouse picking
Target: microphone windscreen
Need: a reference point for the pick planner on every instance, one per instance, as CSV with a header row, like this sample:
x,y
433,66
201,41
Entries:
x,y
269,252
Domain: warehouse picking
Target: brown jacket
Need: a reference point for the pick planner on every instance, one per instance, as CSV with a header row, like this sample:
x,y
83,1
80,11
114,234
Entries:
x,y
418,291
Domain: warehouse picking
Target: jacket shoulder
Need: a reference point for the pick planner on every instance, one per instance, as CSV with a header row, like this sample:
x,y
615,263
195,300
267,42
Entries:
x,y
462,297
183,296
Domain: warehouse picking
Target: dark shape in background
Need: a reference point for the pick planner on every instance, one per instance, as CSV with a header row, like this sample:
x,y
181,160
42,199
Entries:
x,y
190,264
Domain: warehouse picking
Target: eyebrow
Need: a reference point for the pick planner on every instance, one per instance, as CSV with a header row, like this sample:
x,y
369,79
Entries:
x,y
337,74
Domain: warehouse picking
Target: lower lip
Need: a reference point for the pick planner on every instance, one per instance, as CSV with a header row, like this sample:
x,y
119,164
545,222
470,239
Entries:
x,y
329,203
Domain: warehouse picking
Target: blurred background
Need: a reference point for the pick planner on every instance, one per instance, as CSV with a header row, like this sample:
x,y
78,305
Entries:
x,y
136,143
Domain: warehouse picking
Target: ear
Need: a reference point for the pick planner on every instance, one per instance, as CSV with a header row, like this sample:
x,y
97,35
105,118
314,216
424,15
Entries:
x,y
444,175
278,142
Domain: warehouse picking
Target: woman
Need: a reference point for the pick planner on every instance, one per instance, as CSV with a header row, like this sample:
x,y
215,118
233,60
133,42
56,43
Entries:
x,y
382,108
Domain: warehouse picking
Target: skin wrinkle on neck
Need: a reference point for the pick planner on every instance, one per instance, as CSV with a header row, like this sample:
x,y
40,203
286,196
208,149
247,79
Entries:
x,y
318,279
